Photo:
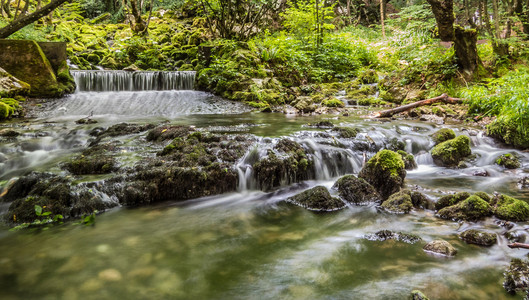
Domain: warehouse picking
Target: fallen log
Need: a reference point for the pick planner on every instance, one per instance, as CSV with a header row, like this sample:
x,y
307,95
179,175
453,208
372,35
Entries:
x,y
518,245
390,112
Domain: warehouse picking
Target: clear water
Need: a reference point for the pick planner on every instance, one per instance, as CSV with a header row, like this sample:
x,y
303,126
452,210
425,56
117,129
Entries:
x,y
248,244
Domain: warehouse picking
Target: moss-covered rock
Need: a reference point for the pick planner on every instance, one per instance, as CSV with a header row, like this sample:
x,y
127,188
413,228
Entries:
x,y
473,236
450,200
471,209
317,199
517,276
168,132
409,160
511,209
398,203
508,160
346,132
356,190
84,165
11,86
440,247
384,235
333,102
509,132
385,172
443,135
417,295
451,152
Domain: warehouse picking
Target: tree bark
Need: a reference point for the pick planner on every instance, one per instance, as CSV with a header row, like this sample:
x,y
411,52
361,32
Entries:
x,y
26,20
382,15
390,112
466,49
443,11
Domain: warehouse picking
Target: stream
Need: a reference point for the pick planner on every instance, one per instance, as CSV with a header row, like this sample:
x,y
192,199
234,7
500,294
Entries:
x,y
247,244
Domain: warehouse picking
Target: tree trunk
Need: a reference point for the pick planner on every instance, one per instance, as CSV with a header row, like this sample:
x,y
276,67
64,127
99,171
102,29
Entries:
x,y
382,13
443,11
390,112
26,20
138,25
466,49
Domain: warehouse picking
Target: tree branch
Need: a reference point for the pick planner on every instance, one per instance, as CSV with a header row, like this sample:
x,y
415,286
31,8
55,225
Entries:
x,y
390,112
518,245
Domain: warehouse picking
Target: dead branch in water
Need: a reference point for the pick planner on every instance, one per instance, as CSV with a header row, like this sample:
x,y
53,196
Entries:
x,y
518,245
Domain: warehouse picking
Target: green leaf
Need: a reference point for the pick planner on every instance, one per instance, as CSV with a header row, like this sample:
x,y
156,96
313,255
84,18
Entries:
x,y
38,210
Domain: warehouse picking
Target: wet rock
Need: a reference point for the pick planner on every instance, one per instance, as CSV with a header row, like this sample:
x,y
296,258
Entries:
x,y
168,132
511,209
471,209
515,236
398,203
506,224
317,199
385,172
9,133
94,160
523,183
450,200
516,276
384,235
509,161
321,124
356,190
304,104
473,236
86,121
417,295
451,152
419,200
395,144
346,132
409,160
481,173
440,247
443,135
125,128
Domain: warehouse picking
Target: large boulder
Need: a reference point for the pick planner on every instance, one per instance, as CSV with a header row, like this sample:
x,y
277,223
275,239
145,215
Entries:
x,y
450,200
317,199
385,172
450,153
471,209
511,209
402,202
440,247
443,135
356,190
473,236
508,160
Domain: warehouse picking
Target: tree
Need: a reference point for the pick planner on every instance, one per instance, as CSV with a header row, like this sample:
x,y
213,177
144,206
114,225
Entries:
x,y
24,20
135,8
443,11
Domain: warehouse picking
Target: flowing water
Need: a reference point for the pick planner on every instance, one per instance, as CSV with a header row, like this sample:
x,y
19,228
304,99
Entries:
x,y
248,244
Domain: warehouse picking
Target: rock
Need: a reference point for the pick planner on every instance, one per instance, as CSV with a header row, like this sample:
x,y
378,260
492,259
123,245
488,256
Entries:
x,y
409,160
321,124
398,203
346,132
509,161
164,133
510,209
417,295
317,199
385,172
110,275
451,152
87,120
131,68
523,183
9,133
516,276
480,173
356,190
471,209
476,237
443,135
384,235
508,131
515,236
11,86
450,200
304,104
440,247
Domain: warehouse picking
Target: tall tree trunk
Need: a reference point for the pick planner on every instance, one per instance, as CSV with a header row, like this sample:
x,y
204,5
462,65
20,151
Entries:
x,y
138,25
382,13
443,11
466,50
20,23
498,46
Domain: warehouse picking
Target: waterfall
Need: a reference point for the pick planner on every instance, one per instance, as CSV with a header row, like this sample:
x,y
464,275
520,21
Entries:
x,y
112,81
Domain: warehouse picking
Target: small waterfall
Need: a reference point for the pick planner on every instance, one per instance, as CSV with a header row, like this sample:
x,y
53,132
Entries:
x,y
113,81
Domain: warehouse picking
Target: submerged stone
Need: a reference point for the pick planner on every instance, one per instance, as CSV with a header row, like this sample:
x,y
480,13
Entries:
x,y
471,209
441,247
509,161
450,153
385,172
384,235
511,209
356,190
317,199
443,135
473,236
516,276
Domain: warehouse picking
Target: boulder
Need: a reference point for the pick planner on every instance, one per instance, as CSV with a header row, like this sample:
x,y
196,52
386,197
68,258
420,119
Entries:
x,y
450,153
356,190
473,236
511,209
516,276
398,203
471,209
409,160
509,161
450,200
441,247
385,172
443,135
317,199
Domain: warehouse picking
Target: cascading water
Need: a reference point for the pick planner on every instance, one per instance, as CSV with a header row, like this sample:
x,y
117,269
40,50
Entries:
x,y
114,81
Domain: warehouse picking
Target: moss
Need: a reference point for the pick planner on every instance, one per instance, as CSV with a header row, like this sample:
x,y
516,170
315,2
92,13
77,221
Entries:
x,y
450,200
398,203
509,161
471,209
273,171
385,171
333,102
417,295
509,132
409,160
346,132
356,190
317,199
368,76
508,208
451,152
5,110
473,236
443,135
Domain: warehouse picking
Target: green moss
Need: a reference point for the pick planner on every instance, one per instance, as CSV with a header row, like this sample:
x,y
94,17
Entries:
x,y
317,199
346,132
509,161
443,135
409,160
472,209
473,236
333,102
399,203
451,152
509,132
450,200
385,171
508,208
